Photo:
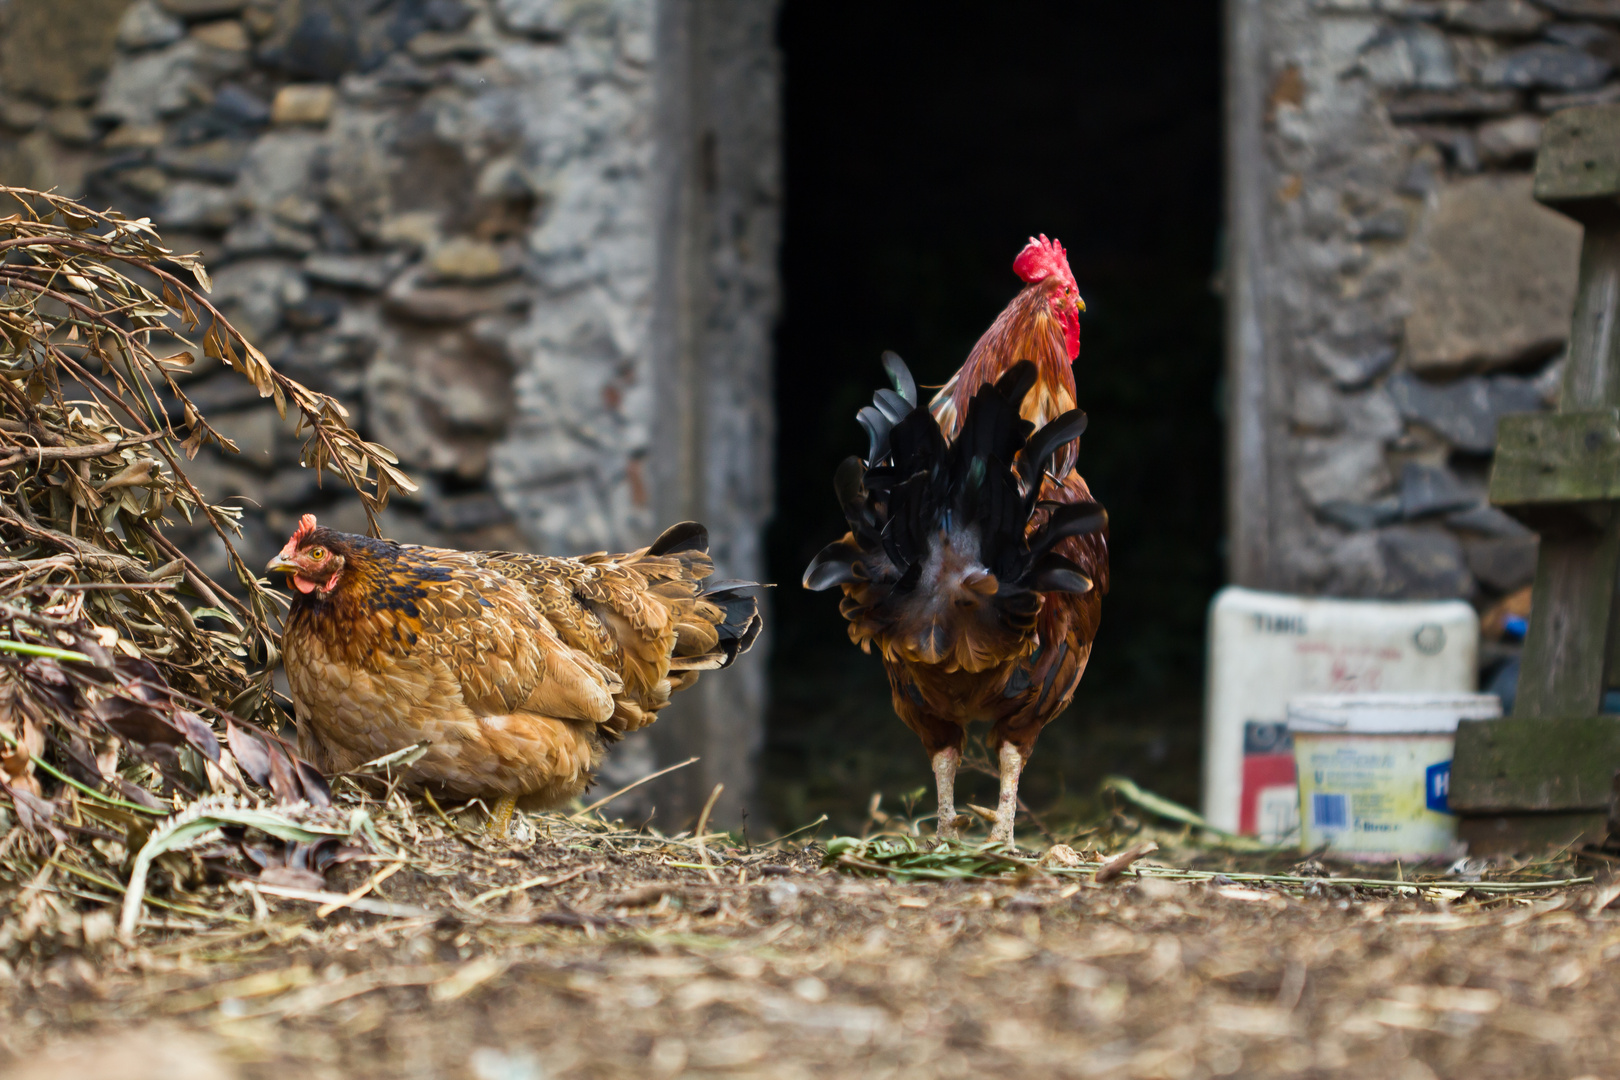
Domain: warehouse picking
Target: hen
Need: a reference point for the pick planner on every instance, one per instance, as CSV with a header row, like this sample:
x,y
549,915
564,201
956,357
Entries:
x,y
516,670
976,558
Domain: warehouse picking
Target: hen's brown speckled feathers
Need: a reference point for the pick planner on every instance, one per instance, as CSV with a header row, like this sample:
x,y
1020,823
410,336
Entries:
x,y
515,669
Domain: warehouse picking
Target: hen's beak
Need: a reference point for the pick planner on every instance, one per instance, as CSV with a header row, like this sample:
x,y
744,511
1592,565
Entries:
x,y
280,562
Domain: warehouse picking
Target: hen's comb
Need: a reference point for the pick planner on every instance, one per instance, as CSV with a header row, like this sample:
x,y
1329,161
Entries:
x,y
306,525
1040,259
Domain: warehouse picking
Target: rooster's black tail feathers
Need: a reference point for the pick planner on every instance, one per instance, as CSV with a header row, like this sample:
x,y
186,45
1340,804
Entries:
x,y
915,487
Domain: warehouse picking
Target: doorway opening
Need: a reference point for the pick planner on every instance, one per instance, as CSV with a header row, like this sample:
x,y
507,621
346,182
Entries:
x,y
921,152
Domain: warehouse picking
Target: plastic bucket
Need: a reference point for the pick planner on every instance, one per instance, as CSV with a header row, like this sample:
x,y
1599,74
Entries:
x,y
1375,771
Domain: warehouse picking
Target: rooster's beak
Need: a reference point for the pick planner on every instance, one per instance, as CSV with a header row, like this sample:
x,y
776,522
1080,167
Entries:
x,y
1079,303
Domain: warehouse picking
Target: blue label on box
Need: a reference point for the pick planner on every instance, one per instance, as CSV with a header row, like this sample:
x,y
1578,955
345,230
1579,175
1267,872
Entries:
x,y
1437,787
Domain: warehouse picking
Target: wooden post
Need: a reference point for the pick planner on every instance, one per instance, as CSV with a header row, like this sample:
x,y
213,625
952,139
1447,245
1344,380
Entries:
x,y
1543,776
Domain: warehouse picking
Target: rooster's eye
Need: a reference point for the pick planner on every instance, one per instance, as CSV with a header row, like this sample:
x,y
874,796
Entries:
x,y
317,554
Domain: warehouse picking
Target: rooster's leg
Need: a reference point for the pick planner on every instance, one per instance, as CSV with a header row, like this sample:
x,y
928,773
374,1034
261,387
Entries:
x,y
501,816
1012,764
945,781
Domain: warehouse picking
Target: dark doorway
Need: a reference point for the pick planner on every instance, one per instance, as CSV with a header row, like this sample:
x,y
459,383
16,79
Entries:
x,y
924,143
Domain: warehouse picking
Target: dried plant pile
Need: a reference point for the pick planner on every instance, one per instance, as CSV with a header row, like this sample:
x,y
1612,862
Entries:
x,y
132,685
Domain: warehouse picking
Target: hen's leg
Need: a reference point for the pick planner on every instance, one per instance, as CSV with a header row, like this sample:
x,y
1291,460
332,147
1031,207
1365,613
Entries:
x,y
1012,765
945,762
501,816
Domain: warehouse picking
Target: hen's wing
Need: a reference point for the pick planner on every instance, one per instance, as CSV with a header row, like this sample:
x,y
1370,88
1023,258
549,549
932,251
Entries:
x,y
645,617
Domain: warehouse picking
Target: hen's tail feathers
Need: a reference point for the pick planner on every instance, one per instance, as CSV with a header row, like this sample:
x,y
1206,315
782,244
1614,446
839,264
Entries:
x,y
967,512
714,624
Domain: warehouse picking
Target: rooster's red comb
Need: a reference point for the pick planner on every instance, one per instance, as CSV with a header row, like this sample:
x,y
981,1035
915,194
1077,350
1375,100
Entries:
x,y
1040,259
306,525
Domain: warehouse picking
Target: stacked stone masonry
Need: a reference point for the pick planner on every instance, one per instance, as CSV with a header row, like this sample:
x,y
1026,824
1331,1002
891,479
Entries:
x,y
1403,289
455,216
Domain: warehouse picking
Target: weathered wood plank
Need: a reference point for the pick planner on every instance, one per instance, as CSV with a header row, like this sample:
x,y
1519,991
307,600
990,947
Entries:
x,y
1535,765
1522,834
1556,458
1565,652
1579,157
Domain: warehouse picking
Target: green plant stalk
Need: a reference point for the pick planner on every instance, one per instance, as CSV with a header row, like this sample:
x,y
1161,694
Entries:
x,y
27,648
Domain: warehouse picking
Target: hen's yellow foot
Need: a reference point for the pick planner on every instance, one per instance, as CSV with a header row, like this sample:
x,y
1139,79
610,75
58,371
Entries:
x,y
501,817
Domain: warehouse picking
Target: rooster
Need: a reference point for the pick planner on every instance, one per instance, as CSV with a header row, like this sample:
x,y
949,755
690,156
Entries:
x,y
514,670
976,559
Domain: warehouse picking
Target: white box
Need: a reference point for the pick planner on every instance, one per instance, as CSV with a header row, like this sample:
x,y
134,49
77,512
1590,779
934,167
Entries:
x,y
1265,648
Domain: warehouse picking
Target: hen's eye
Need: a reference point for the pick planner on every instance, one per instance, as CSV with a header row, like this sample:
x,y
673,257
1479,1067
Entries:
x,y
317,554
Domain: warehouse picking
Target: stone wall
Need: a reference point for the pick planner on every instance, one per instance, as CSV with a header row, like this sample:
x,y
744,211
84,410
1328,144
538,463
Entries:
x,y
530,244
1393,288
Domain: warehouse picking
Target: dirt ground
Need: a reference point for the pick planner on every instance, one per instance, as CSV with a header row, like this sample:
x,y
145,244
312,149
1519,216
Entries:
x,y
607,963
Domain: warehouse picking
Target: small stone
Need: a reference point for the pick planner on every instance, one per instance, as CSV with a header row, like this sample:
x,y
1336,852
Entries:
x,y
534,18
1359,517
58,51
1423,564
227,34
416,229
261,234
304,103
410,297
1460,104
1410,56
319,41
1506,17
298,210
238,106
217,159
366,273
1342,470
1354,365
1427,490
1548,67
1602,42
191,205
433,45
255,432
1584,9
1503,564
1456,143
146,87
464,513
147,180
253,293
134,137
146,26
72,125
203,9
222,393
1604,95
316,313
447,15
1487,521
1501,141
1495,283
464,259
1464,412
21,114
1390,223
